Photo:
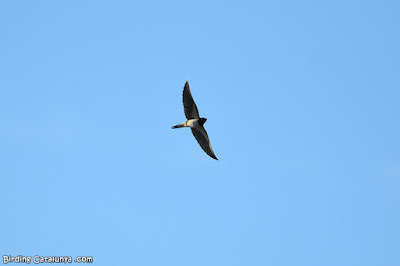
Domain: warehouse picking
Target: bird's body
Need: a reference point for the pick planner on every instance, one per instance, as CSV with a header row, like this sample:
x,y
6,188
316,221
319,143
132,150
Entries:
x,y
192,123
195,122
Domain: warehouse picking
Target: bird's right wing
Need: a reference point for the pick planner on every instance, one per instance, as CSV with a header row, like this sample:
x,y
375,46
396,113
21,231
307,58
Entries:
x,y
202,138
189,106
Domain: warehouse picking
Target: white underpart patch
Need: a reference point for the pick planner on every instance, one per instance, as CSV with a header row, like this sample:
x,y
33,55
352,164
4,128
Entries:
x,y
192,123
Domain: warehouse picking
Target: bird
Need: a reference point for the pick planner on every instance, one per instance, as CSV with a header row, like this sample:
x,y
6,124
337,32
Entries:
x,y
195,122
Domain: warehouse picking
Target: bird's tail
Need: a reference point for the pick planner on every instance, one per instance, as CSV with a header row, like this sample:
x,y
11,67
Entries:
x,y
180,125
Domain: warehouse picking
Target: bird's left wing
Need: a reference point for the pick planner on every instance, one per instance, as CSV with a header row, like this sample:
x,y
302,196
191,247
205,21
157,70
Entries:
x,y
202,138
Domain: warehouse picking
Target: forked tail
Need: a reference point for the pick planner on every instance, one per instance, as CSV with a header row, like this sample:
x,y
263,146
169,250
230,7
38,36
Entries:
x,y
180,125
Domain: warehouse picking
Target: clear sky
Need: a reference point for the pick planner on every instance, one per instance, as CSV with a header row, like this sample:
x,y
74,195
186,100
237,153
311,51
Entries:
x,y
302,101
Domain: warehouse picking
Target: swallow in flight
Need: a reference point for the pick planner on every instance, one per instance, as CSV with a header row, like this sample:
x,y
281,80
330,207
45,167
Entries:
x,y
195,122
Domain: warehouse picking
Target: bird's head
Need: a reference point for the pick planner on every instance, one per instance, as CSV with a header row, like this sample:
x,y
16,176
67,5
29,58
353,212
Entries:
x,y
202,121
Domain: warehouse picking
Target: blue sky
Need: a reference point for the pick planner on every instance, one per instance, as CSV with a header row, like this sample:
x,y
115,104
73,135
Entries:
x,y
302,101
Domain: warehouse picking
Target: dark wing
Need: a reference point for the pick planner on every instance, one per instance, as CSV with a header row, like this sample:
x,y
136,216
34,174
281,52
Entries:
x,y
202,138
189,106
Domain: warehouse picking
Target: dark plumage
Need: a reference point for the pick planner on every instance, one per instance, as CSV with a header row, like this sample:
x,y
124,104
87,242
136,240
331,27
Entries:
x,y
195,122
